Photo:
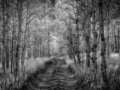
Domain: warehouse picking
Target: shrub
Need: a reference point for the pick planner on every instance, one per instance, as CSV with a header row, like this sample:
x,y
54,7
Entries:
x,y
61,61
71,69
48,63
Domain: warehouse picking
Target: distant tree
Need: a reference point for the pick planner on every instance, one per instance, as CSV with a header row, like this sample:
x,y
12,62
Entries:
x,y
3,34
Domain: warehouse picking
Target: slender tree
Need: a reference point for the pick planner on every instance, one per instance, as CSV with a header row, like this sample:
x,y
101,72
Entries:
x,y
19,10
94,36
118,39
77,51
12,46
3,35
103,45
24,50
87,34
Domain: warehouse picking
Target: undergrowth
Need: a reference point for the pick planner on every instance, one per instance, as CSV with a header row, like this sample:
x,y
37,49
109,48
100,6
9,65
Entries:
x,y
56,77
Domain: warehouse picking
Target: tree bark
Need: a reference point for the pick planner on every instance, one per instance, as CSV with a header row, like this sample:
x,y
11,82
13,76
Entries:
x,y
94,41
115,44
48,43
3,36
12,46
118,39
108,44
19,9
77,33
25,37
103,46
88,49
87,36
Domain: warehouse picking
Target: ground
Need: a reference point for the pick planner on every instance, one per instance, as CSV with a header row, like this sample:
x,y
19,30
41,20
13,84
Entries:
x,y
60,73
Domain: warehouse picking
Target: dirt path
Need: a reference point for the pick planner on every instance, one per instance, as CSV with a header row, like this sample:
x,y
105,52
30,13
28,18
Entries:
x,y
53,76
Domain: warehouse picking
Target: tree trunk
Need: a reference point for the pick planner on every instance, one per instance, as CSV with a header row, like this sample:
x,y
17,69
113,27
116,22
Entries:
x,y
118,39
48,43
25,37
108,44
74,49
88,49
3,36
87,37
77,34
19,7
103,46
115,44
7,41
94,41
13,43
12,46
